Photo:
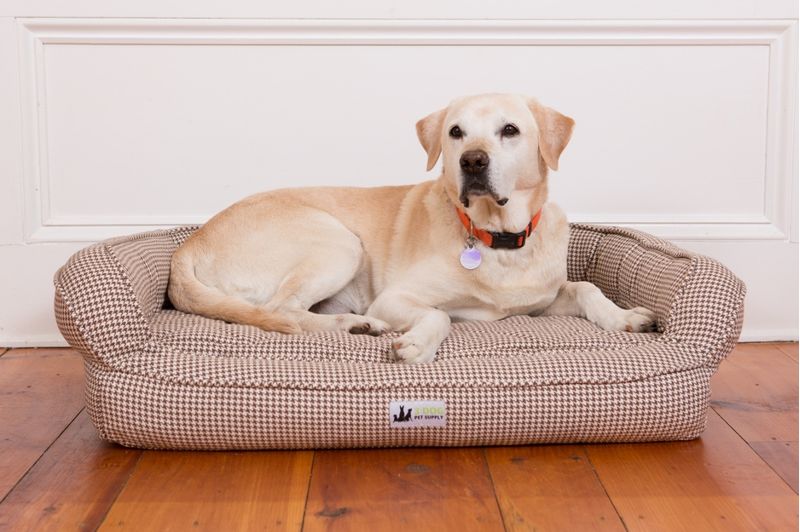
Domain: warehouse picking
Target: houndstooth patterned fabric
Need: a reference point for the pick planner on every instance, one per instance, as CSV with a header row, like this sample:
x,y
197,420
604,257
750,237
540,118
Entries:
x,y
159,378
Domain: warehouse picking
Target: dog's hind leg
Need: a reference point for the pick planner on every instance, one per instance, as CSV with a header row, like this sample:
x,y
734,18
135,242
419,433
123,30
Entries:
x,y
310,283
319,275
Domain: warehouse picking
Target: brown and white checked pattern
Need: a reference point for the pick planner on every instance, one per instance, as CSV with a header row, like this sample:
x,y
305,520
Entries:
x,y
96,302
158,378
157,413
609,366
68,327
582,246
92,394
701,304
180,234
517,335
709,310
152,257
639,277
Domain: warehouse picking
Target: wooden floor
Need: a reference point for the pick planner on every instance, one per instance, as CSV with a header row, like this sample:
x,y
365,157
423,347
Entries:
x,y
741,475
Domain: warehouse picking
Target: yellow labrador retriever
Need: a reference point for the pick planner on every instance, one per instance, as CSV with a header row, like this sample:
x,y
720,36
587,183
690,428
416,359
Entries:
x,y
481,242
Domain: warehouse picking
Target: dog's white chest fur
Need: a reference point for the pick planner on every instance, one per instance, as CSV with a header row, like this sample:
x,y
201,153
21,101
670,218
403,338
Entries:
x,y
508,282
512,282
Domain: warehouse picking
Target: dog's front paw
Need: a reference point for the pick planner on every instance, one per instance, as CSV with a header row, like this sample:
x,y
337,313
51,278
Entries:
x,y
637,319
412,350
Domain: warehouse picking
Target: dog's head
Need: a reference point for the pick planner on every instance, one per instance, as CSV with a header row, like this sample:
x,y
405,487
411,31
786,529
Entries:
x,y
494,144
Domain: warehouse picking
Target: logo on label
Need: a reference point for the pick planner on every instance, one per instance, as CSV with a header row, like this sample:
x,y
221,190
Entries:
x,y
417,414
402,416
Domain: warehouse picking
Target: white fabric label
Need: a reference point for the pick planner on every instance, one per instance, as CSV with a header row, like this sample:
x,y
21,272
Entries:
x,y
417,414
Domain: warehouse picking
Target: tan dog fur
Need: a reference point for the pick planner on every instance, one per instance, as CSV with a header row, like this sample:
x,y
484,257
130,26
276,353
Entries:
x,y
387,258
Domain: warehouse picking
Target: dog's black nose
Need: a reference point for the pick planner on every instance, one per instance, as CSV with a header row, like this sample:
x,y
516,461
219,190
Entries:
x,y
474,161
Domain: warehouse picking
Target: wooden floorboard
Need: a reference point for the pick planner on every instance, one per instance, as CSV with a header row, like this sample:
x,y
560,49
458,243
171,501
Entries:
x,y
781,456
72,486
789,349
41,392
714,483
755,391
402,489
742,474
550,487
214,491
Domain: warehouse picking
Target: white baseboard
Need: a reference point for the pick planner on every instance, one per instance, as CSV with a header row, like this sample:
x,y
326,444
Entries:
x,y
769,335
43,340
55,340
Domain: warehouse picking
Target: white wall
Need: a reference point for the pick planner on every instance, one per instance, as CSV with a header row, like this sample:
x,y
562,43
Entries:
x,y
119,119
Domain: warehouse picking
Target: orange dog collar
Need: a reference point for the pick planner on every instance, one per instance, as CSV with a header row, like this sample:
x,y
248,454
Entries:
x,y
500,240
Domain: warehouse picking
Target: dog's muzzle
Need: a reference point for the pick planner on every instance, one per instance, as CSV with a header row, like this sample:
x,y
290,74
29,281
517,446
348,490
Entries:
x,y
475,177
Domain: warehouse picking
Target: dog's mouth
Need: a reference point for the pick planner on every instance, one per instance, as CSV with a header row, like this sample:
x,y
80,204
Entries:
x,y
479,188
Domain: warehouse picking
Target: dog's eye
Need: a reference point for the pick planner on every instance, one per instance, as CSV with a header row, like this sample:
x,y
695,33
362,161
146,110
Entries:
x,y
510,130
456,132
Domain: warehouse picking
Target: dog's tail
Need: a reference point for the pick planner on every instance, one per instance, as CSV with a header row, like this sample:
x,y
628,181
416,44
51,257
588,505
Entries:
x,y
188,294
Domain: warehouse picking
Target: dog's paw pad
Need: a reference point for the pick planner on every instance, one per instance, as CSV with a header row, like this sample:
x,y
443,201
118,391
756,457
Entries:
x,y
640,319
370,326
378,327
405,353
405,350
361,328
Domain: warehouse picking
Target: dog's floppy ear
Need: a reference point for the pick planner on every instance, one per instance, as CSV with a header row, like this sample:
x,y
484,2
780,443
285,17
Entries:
x,y
429,132
555,131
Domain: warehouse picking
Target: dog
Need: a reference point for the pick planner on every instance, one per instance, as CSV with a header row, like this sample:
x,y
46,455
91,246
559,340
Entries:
x,y
481,242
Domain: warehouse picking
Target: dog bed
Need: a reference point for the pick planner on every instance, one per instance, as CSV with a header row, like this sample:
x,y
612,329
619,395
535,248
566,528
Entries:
x,y
161,379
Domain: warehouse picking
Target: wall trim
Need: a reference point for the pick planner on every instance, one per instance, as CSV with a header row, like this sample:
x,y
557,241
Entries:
x,y
769,335
405,32
36,340
681,227
780,36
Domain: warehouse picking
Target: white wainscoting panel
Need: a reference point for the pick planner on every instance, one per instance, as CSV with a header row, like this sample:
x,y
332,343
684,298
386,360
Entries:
x,y
141,111
685,128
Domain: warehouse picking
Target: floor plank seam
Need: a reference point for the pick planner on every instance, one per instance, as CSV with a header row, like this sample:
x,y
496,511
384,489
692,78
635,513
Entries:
x,y
308,489
44,452
770,465
494,488
722,417
789,356
122,485
720,414
602,485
